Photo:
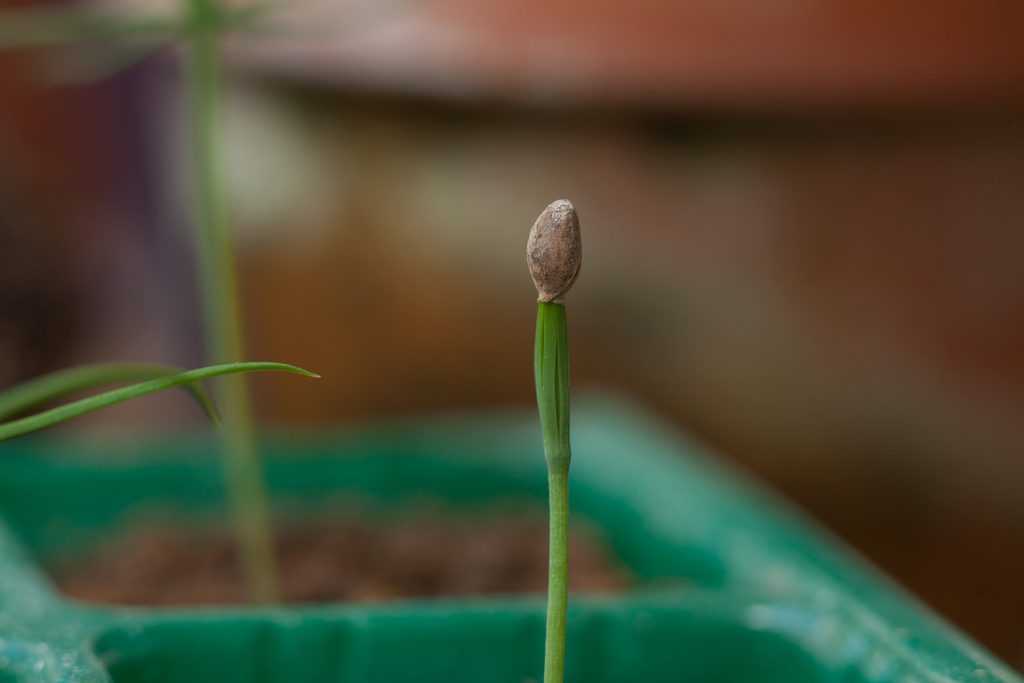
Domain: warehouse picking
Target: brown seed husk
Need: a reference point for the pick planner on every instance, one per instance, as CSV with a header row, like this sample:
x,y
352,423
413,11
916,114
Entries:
x,y
554,251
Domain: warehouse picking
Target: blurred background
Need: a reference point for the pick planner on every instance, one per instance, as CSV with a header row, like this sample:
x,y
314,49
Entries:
x,y
804,228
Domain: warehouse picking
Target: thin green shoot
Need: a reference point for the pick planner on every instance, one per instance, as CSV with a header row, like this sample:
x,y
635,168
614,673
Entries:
x,y
56,385
74,409
552,378
250,508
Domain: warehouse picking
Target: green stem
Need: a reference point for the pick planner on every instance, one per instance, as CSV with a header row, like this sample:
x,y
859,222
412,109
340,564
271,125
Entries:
x,y
247,491
558,576
552,378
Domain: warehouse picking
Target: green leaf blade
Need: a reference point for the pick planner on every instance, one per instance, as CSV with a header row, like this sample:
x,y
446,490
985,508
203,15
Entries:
x,y
51,387
74,409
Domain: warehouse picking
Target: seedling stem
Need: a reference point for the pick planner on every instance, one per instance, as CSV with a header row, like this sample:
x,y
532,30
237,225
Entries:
x,y
552,376
246,489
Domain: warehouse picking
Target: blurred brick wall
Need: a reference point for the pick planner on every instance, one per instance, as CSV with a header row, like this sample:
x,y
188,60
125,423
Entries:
x,y
837,305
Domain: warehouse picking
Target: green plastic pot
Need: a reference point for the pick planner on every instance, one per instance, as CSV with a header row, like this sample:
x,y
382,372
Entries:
x,y
767,597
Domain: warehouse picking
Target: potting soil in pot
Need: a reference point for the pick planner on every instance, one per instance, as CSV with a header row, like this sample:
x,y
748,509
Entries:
x,y
346,556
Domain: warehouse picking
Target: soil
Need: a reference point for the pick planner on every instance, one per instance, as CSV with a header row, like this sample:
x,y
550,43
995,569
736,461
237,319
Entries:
x,y
343,557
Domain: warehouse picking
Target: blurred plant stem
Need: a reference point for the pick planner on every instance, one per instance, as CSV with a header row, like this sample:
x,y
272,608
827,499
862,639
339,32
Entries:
x,y
220,299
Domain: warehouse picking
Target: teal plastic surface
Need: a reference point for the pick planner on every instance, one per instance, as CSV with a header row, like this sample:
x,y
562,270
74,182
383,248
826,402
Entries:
x,y
766,597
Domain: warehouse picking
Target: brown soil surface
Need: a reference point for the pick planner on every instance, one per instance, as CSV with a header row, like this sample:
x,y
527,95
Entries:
x,y
342,558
